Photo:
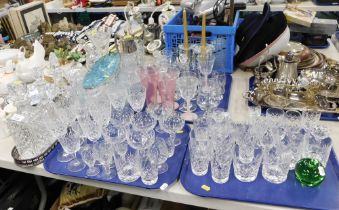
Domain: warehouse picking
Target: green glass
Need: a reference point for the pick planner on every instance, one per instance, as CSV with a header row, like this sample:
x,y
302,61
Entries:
x,y
309,172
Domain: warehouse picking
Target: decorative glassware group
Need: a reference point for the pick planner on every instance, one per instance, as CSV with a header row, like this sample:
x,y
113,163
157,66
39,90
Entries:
x,y
276,142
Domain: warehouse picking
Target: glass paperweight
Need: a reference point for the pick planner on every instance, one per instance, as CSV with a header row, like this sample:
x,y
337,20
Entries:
x,y
309,172
101,70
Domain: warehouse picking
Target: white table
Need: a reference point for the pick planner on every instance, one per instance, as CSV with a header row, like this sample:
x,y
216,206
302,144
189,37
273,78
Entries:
x,y
176,192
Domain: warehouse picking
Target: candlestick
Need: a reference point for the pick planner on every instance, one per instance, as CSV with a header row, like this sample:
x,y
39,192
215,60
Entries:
x,y
185,30
203,36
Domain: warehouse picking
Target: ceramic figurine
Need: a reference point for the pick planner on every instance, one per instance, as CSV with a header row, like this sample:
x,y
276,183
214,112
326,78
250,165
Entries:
x,y
27,70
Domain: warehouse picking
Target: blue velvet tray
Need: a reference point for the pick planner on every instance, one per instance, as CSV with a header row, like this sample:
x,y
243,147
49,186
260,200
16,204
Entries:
x,y
326,2
224,102
174,166
324,115
326,45
289,193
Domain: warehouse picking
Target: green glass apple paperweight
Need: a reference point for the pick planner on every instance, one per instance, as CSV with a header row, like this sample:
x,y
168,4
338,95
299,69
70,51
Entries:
x,y
310,172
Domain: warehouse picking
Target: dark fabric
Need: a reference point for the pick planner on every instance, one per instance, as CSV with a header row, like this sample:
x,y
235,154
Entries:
x,y
251,25
258,30
20,192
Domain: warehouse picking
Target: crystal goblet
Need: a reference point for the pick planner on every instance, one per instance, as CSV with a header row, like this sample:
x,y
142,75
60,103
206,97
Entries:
x,y
156,111
172,124
140,139
98,98
143,121
205,64
187,84
89,155
163,153
71,145
105,150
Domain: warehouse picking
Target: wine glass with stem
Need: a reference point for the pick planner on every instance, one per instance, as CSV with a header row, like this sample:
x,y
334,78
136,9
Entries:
x,y
163,154
90,155
173,123
117,130
98,98
136,96
143,121
89,126
187,84
156,111
205,64
105,157
71,145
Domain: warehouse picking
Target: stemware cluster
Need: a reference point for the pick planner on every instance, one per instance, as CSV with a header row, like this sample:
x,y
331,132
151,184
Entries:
x,y
211,92
276,142
198,82
108,126
117,131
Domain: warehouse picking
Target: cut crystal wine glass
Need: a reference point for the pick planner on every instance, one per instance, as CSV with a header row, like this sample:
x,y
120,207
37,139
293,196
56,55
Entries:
x,y
156,111
105,157
90,155
143,121
97,98
71,145
163,153
140,139
172,124
136,96
187,84
205,64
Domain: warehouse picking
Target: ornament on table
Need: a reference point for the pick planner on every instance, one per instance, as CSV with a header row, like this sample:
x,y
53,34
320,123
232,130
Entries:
x,y
7,76
101,71
28,70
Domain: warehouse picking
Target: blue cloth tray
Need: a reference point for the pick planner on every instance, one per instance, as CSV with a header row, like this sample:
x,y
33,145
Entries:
x,y
224,102
319,46
324,115
326,3
289,193
174,166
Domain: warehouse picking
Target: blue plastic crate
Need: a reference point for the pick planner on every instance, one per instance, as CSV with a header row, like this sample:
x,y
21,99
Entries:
x,y
222,37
